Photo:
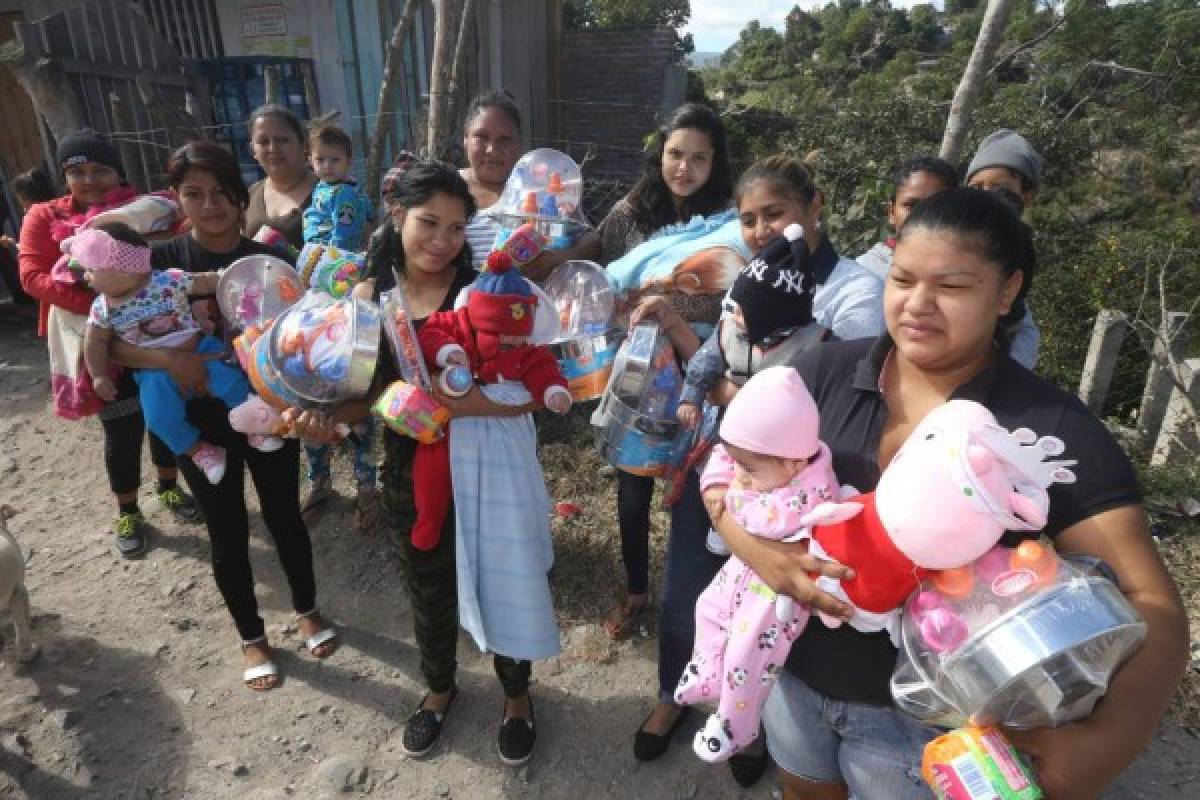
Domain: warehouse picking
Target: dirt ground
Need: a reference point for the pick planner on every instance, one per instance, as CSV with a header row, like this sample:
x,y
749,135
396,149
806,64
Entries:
x,y
137,692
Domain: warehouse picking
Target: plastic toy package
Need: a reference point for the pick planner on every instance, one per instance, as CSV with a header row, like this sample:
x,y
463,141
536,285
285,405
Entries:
x,y
329,269
977,764
634,425
588,344
546,189
1021,638
407,406
256,289
318,353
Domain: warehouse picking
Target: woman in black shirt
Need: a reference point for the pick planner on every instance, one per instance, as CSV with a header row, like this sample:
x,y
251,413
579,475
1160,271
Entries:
x,y
213,198
830,721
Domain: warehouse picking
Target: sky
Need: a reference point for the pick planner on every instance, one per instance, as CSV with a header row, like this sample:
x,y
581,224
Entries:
x,y
715,24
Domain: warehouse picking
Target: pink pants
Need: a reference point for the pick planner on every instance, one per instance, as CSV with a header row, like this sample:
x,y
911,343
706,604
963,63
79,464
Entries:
x,y
740,647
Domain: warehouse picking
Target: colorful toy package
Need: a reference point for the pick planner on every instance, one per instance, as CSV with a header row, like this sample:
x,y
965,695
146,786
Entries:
x,y
1020,638
634,425
977,764
329,269
588,344
256,289
411,411
545,188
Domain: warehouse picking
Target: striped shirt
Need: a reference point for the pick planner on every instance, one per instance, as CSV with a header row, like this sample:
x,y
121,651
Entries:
x,y
481,235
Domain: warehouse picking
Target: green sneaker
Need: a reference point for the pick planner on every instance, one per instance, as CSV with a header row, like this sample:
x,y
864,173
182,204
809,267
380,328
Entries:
x,y
180,503
131,542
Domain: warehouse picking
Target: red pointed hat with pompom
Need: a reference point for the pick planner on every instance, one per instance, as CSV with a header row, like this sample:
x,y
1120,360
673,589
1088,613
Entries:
x,y
501,301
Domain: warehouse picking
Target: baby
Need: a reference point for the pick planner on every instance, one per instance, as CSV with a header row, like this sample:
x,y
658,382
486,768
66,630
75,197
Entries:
x,y
149,308
776,470
340,214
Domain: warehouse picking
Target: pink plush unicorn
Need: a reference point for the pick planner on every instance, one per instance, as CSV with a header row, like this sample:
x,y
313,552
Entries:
x,y
955,486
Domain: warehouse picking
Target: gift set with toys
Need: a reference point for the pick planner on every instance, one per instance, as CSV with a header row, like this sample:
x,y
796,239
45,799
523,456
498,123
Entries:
x,y
586,348
634,425
254,290
330,269
545,189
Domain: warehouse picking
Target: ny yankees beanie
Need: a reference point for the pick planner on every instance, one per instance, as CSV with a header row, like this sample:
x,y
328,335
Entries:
x,y
775,289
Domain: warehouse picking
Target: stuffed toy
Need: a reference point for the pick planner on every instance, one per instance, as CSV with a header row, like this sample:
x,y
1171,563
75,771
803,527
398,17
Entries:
x,y
261,422
981,479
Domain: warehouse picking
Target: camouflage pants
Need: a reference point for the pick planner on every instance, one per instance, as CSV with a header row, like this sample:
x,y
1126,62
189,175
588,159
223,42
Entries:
x,y
430,578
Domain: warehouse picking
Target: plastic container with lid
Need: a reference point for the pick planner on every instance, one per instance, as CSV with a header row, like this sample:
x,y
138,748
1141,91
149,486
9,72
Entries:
x,y
545,188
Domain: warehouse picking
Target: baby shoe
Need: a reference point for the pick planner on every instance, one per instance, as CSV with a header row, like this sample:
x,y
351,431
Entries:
x,y
211,460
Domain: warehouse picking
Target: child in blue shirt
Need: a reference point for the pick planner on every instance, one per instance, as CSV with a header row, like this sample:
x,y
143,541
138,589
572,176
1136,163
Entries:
x,y
339,215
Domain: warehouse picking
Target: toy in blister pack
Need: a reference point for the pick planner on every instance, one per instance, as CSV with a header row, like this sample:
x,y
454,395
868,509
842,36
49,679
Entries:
x,y
256,289
635,424
411,411
397,324
587,344
1021,638
545,189
318,353
329,269
977,764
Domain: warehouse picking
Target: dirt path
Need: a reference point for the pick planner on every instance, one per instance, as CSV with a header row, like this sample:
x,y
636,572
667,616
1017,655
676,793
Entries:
x,y
136,694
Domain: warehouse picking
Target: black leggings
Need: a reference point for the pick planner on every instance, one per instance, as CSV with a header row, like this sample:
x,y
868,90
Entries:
x,y
123,440
276,479
634,494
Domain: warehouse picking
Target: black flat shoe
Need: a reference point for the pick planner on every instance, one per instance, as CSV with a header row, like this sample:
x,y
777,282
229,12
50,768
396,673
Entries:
x,y
423,728
747,768
516,737
649,746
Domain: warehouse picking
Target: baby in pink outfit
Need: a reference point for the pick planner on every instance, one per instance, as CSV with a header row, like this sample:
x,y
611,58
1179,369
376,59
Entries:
x,y
777,471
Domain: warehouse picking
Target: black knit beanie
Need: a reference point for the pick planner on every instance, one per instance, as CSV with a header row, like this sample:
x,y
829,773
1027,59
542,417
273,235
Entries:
x,y
86,145
775,290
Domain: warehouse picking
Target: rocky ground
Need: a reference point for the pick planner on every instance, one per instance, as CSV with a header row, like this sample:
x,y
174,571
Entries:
x,y
137,692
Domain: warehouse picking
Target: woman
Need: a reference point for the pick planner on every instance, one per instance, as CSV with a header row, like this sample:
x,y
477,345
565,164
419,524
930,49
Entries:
x,y
278,201
492,141
213,197
831,725
430,205
95,179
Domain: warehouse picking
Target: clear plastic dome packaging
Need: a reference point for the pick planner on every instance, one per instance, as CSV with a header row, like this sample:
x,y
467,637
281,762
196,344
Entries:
x,y
635,426
256,289
1020,638
320,352
545,188
588,344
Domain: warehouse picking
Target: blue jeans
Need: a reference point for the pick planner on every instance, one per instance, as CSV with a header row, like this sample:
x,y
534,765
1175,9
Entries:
x,y
690,567
165,406
875,750
363,456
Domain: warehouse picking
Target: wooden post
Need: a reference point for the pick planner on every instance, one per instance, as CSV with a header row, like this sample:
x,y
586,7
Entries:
x,y
458,75
43,80
1169,345
387,95
445,35
130,154
1179,439
1107,336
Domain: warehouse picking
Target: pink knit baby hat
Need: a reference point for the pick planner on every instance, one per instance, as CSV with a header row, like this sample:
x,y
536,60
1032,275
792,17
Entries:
x,y
773,415
96,250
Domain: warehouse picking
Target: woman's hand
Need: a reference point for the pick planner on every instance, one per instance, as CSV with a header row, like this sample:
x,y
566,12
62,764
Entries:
x,y
190,370
785,567
656,307
315,426
723,393
1065,760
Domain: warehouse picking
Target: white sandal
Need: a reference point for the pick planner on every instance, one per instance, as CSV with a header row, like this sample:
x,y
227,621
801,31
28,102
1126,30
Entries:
x,y
267,669
323,636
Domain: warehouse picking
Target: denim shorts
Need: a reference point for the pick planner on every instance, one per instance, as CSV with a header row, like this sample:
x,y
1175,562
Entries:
x,y
874,750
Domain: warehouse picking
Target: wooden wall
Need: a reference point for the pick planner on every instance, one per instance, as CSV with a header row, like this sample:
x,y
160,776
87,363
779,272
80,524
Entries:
x,y
20,140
